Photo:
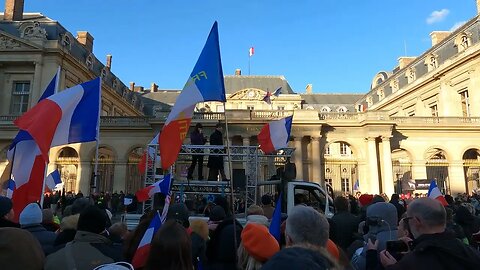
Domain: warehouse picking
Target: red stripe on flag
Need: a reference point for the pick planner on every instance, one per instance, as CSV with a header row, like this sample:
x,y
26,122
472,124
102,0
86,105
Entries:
x,y
171,140
143,194
142,165
30,191
264,139
41,122
141,256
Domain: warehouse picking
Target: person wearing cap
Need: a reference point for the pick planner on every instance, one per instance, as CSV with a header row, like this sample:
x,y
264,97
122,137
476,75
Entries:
x,y
215,161
6,213
197,138
20,250
256,247
30,220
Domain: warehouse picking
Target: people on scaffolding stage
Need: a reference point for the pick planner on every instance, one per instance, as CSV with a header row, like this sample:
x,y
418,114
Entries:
x,y
197,138
215,161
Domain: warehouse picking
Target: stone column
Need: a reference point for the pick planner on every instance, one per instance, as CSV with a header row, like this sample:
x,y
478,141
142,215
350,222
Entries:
x,y
119,175
83,177
298,156
316,166
456,177
36,90
372,166
387,168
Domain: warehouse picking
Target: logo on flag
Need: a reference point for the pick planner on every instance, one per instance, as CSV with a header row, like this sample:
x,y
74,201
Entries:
x,y
251,51
275,135
162,186
205,84
53,179
434,193
70,116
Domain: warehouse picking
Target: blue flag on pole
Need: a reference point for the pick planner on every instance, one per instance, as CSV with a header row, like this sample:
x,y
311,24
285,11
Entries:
x,y
277,219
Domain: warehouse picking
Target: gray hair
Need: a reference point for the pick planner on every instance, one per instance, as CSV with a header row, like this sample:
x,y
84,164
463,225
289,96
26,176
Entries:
x,y
307,226
429,210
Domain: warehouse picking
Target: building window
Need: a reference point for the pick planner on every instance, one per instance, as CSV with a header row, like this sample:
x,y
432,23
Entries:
x,y
103,73
465,103
463,41
344,149
434,110
89,62
250,107
394,85
281,108
327,150
381,94
342,109
410,75
345,185
325,109
431,62
20,95
369,102
66,42
329,182
114,83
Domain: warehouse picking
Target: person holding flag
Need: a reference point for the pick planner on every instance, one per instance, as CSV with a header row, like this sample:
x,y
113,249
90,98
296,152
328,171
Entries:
x,y
204,84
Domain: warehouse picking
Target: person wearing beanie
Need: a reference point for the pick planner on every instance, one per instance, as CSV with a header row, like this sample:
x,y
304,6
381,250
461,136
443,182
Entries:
x,y
256,247
89,248
30,220
20,250
6,213
217,215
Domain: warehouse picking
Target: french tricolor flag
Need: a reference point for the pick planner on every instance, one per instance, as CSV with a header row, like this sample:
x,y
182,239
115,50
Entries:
x,y
70,116
143,250
142,165
53,179
162,186
434,193
204,84
10,188
275,135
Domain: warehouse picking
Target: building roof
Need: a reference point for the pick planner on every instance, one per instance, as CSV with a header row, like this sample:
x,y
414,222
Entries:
x,y
330,99
234,83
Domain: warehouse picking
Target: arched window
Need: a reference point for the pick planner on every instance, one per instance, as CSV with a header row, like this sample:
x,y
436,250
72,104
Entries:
x,y
342,109
325,109
103,73
463,41
89,61
410,74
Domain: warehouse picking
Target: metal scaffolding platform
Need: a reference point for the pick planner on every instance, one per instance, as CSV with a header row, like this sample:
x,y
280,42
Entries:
x,y
257,167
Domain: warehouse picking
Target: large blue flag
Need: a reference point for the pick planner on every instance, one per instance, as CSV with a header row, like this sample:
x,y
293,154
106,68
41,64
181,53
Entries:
x,y
277,219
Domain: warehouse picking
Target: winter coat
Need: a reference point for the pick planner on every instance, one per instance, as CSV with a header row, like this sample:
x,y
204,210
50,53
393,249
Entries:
x,y
5,223
221,250
215,161
199,247
439,251
87,251
299,258
44,237
343,227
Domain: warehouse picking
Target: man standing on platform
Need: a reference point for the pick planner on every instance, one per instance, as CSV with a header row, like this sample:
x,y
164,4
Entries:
x,y
197,138
215,161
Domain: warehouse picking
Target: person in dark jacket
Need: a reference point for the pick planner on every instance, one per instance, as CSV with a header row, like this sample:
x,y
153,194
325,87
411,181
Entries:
x,y
344,225
215,162
6,213
47,221
221,249
197,138
466,220
90,248
395,200
432,248
30,220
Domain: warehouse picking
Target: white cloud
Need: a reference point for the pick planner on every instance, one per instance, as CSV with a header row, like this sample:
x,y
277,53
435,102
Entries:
x,y
457,25
437,16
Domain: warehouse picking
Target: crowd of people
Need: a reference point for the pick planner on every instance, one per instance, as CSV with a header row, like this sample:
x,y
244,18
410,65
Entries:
x,y
368,232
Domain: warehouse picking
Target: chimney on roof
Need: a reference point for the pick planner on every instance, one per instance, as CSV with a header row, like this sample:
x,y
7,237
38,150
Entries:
x,y
404,61
238,71
478,6
109,61
138,89
84,38
309,88
154,87
13,10
132,86
438,36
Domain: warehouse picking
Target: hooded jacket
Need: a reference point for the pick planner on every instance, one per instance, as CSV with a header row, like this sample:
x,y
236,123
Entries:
x,y
439,251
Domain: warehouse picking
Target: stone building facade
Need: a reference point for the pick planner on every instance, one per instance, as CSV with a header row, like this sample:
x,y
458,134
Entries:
x,y
419,121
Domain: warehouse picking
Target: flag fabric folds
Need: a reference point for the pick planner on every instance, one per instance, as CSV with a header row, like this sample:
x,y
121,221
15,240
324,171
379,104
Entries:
x,y
276,219
275,135
162,186
53,179
434,193
277,92
70,116
26,166
204,84
356,186
251,51
267,98
10,188
143,250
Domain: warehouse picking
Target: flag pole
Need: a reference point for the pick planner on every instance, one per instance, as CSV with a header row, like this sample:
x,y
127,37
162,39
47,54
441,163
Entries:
x,y
95,170
230,169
